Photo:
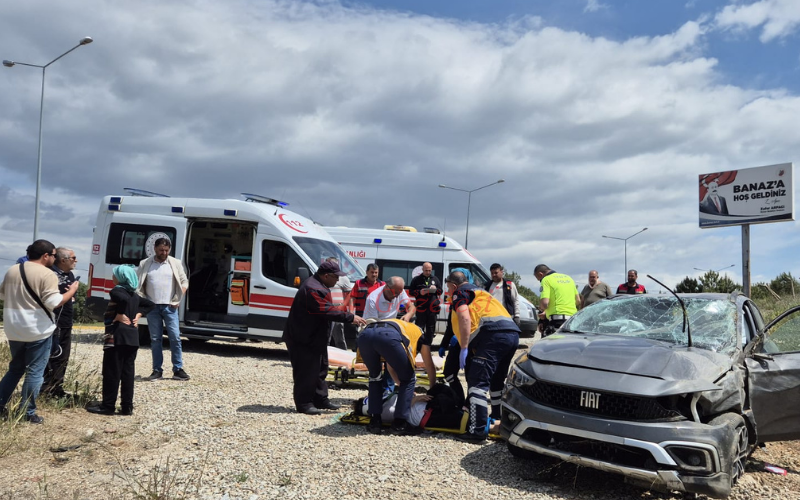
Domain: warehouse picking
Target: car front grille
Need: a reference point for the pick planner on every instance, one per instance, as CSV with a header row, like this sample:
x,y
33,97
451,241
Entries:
x,y
608,405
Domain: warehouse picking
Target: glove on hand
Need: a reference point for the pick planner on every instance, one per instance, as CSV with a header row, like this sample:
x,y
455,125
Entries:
x,y
462,358
441,352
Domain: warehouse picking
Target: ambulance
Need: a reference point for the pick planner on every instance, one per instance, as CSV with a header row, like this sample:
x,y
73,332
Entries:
x,y
401,250
244,259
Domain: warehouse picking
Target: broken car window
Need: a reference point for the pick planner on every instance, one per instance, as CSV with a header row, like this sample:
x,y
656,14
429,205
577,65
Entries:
x,y
712,321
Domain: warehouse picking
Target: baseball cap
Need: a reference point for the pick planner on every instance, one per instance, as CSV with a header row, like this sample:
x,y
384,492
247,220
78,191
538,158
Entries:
x,y
330,267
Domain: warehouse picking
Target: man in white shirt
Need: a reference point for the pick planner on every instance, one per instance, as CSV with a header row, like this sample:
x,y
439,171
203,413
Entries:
x,y
163,280
504,291
29,324
384,302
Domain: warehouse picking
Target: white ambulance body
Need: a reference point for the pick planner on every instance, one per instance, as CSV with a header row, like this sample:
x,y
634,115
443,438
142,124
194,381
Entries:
x,y
244,259
398,251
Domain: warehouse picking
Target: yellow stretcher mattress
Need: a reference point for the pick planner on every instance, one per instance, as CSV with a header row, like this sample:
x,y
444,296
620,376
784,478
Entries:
x,y
343,368
352,418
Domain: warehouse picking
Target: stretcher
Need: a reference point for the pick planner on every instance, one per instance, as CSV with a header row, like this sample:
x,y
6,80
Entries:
x,y
352,418
345,367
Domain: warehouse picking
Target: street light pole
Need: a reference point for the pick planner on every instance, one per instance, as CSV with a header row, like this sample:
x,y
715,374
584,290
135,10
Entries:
x,y
10,64
469,202
625,240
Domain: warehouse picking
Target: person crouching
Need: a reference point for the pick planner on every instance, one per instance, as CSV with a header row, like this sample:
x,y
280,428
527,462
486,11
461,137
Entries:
x,y
396,342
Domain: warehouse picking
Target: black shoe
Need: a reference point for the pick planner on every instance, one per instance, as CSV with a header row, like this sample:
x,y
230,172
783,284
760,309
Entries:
x,y
126,410
471,438
180,375
375,425
310,410
100,410
402,428
156,375
34,419
328,406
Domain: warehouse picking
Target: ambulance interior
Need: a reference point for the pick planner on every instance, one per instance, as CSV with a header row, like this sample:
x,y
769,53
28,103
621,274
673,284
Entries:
x,y
219,259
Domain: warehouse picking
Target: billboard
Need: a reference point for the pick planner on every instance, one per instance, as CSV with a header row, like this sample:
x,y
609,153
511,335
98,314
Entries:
x,y
748,196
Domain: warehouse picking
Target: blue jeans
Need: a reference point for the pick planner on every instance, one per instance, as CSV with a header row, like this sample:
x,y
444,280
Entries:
x,y
385,341
29,359
169,316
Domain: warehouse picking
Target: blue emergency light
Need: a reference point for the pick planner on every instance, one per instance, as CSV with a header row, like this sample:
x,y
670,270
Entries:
x,y
177,210
113,208
442,244
230,213
377,240
116,199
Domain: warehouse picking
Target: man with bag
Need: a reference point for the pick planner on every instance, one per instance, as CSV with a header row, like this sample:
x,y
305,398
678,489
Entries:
x,y
30,294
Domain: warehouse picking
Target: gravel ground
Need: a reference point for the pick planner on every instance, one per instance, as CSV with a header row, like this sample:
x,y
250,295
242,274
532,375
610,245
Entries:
x,y
231,433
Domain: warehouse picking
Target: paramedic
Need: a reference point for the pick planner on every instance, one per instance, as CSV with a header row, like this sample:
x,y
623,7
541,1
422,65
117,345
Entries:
x,y
426,289
504,290
486,331
559,299
163,280
395,341
306,338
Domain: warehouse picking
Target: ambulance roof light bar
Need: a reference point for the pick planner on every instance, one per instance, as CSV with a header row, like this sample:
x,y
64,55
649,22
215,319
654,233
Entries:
x,y
257,198
142,192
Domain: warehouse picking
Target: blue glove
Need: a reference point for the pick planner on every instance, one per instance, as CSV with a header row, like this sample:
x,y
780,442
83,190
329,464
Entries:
x,y
441,352
454,341
462,358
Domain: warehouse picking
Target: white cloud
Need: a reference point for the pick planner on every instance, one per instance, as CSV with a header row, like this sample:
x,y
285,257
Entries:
x,y
776,18
594,6
354,116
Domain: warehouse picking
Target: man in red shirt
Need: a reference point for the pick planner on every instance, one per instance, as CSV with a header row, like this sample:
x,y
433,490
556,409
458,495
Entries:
x,y
364,287
631,287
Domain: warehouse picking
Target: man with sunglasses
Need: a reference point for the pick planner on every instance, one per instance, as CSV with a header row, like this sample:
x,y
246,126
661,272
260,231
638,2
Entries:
x,y
306,337
53,385
28,324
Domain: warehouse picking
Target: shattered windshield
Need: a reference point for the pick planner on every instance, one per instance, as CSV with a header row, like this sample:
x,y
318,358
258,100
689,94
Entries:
x,y
712,321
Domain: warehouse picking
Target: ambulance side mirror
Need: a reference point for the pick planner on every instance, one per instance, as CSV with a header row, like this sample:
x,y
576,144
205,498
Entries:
x,y
301,275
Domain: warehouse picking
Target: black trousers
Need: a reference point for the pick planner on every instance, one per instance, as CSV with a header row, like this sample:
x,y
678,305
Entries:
x,y
309,370
118,373
426,321
57,367
451,368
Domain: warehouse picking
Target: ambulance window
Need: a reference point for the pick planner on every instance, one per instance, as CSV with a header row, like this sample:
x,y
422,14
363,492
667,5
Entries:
x,y
279,261
126,242
479,276
405,269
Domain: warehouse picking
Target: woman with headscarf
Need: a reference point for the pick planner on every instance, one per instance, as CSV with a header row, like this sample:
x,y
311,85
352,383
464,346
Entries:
x,y
121,341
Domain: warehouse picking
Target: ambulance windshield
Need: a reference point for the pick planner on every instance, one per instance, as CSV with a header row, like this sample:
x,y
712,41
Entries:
x,y
320,250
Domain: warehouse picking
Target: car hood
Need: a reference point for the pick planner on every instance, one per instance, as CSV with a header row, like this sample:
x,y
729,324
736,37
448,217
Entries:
x,y
625,364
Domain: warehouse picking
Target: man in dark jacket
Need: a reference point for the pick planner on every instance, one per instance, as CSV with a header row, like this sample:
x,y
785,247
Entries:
x,y
426,289
306,337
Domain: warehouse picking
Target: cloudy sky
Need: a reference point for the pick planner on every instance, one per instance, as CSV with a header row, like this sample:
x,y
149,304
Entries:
x,y
599,115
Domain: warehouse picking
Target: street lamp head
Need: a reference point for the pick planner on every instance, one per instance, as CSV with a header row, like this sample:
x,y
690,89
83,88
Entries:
x,y
86,40
7,63
440,185
501,180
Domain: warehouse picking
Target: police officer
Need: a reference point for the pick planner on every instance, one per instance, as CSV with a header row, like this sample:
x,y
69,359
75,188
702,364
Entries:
x,y
559,299
488,334
395,341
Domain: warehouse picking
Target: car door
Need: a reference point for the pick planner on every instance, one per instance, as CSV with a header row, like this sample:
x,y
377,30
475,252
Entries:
x,y
773,366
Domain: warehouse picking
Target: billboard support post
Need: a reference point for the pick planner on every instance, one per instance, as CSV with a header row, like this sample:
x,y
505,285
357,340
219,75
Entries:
x,y
746,259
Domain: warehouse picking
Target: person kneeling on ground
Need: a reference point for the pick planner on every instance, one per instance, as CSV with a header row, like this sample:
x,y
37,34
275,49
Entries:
x,y
396,342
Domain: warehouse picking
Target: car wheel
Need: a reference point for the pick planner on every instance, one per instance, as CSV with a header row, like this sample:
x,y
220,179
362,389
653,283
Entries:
x,y
740,447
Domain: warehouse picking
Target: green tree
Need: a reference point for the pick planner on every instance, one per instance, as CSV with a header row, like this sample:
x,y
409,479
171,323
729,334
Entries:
x,y
785,285
522,289
713,282
689,285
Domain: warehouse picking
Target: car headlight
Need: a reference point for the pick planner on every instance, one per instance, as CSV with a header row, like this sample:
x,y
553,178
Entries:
x,y
519,378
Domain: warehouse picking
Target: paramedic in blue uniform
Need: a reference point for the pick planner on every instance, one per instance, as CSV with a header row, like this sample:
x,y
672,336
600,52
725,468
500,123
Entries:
x,y
487,332
426,289
306,338
395,341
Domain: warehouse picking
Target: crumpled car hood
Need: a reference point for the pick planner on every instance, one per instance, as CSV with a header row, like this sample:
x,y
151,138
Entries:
x,y
613,360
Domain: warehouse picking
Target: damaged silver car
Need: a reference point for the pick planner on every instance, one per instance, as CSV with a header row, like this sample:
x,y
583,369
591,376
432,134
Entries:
x,y
673,392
